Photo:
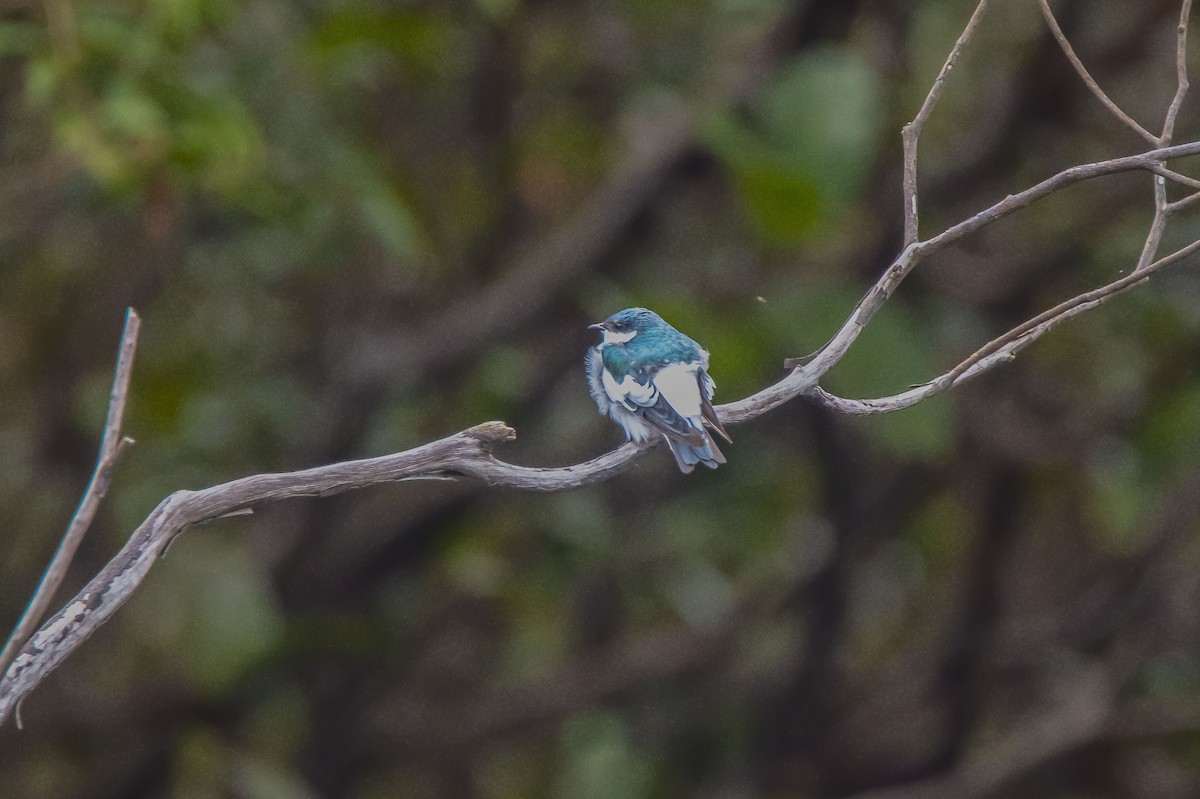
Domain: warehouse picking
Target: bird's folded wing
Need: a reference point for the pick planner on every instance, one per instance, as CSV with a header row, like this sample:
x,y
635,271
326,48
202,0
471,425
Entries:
x,y
674,405
668,420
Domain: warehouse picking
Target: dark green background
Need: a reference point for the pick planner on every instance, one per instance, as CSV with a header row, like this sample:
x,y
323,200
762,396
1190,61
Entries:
x,y
353,227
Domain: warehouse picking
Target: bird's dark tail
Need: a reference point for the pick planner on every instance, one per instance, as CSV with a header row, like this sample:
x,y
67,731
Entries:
x,y
688,455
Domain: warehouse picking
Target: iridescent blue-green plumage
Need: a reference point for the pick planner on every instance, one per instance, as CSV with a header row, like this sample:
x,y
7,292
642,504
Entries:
x,y
653,380
650,349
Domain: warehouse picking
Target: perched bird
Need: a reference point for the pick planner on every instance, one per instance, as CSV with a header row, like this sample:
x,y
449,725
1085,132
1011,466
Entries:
x,y
653,380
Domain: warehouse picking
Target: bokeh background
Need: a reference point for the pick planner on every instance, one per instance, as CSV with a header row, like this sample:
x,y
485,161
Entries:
x,y
353,227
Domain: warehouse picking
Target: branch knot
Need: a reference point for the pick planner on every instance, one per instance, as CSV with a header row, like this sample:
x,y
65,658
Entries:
x,y
489,434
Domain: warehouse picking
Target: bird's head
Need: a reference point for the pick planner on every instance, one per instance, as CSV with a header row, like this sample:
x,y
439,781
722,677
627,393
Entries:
x,y
624,325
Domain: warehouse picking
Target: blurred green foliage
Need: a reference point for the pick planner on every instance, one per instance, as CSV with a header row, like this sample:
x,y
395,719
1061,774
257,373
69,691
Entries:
x,y
298,197
805,149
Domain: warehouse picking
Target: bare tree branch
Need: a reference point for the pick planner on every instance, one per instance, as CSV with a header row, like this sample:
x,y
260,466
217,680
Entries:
x,y
911,133
1181,74
463,455
1172,175
1158,225
1088,80
816,365
112,444
1147,161
468,454
1183,204
1005,347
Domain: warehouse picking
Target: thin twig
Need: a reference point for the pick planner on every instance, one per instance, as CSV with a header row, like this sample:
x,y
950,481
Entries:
x,y
1003,348
469,454
1181,74
1006,346
112,444
1158,225
810,369
911,133
1087,79
1175,177
1183,203
1162,212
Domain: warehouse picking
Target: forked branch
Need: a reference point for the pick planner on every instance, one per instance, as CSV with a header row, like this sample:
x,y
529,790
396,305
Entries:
x,y
112,444
911,133
468,455
1087,78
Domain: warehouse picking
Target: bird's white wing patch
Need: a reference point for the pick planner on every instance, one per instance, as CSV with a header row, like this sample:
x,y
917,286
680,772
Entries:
x,y
611,387
628,392
679,386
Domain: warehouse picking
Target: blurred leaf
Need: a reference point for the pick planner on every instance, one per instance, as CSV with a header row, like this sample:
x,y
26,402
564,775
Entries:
x,y
505,372
131,113
257,778
1118,498
786,204
279,723
498,10
702,596
940,531
19,38
214,616
79,134
420,40
508,771
923,432
217,139
179,20
472,563
391,220
198,768
42,75
580,519
892,353
802,152
1172,429
384,212
600,762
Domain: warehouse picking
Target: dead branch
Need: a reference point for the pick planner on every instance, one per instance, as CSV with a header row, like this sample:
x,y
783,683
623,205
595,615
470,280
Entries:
x,y
1003,348
468,454
112,444
911,133
1087,78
